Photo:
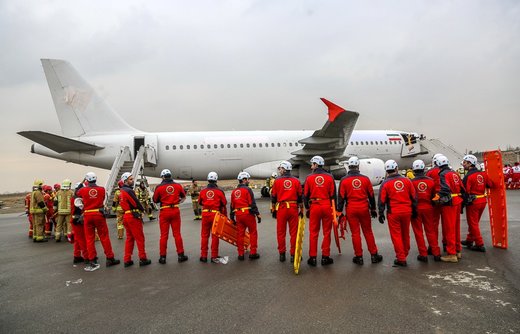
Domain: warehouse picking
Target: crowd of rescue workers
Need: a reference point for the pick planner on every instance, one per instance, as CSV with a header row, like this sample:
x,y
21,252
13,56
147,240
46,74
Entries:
x,y
427,199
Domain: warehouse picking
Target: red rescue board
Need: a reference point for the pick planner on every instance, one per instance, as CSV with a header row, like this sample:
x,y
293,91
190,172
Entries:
x,y
224,229
496,198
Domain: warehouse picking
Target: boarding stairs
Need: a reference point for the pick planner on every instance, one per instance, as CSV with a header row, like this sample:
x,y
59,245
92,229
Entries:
x,y
436,146
124,163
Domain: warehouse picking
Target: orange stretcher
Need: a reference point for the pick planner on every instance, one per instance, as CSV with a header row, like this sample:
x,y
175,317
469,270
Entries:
x,y
335,226
224,229
496,198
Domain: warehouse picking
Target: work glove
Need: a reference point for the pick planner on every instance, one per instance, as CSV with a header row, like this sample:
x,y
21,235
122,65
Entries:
x,y
273,213
381,219
232,217
259,218
373,213
27,212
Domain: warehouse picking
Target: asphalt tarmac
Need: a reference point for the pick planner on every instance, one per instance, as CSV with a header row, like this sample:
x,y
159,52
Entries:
x,y
41,291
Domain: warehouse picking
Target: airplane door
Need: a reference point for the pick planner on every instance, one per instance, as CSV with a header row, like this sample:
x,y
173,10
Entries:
x,y
150,144
410,146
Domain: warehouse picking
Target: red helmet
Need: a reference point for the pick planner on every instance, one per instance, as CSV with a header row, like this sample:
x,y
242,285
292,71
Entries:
x,y
120,183
46,188
57,186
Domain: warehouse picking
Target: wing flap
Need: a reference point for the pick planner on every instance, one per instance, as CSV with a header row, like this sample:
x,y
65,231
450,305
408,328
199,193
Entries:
x,y
58,143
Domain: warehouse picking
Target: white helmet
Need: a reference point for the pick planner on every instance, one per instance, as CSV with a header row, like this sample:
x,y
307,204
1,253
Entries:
x,y
243,175
436,157
418,165
390,165
125,176
353,161
165,172
442,161
212,176
318,160
471,159
91,177
274,174
78,202
76,185
285,165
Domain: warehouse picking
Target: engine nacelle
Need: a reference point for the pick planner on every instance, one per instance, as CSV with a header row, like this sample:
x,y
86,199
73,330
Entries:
x,y
374,169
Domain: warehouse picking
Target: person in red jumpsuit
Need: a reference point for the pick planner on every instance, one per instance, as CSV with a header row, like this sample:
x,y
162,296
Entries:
x,y
515,170
93,197
357,196
425,189
508,176
243,211
319,194
450,199
49,215
169,194
433,173
212,200
78,239
286,203
475,183
397,194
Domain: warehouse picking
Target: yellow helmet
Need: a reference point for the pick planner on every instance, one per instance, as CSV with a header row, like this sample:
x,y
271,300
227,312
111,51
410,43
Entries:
x,y
38,183
66,184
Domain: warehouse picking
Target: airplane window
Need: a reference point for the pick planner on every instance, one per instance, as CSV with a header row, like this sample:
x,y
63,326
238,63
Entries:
x,y
357,143
376,142
272,144
201,147
221,145
187,147
167,147
228,146
371,143
351,143
195,147
241,145
278,144
215,146
174,147
181,147
254,145
247,145
266,144
235,145
386,142
284,144
290,144
361,143
296,144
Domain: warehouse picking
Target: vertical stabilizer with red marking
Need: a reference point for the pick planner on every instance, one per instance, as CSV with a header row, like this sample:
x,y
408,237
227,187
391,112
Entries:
x,y
334,110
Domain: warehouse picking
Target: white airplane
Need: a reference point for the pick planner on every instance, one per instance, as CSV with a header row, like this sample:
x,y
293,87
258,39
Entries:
x,y
93,135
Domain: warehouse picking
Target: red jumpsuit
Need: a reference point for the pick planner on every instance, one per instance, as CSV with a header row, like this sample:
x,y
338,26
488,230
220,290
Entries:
x,y
286,196
243,211
425,189
212,200
434,174
133,223
49,202
79,243
319,192
451,201
475,183
27,212
169,195
93,197
357,195
398,195
516,176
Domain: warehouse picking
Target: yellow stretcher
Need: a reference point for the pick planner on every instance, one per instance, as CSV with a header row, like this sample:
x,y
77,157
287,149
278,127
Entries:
x,y
299,244
224,229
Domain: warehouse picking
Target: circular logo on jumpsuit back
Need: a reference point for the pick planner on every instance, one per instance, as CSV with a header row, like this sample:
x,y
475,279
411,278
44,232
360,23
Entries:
x,y
93,193
320,180
356,183
287,184
210,194
422,186
237,194
399,185
170,190
480,179
456,178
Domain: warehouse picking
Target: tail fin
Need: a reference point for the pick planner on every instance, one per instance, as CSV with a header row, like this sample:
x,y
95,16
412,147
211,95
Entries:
x,y
80,109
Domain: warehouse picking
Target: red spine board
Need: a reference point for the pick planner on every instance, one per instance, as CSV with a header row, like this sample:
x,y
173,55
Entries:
x,y
496,198
224,229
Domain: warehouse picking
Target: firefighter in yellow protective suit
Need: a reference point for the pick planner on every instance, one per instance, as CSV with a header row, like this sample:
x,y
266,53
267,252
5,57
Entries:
x,y
116,207
410,174
194,191
38,210
271,181
143,195
64,211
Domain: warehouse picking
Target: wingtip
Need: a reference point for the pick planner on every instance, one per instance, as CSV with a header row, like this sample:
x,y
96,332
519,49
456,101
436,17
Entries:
x,y
334,109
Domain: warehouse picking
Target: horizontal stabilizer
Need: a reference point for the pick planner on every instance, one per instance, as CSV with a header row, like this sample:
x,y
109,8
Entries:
x,y
58,143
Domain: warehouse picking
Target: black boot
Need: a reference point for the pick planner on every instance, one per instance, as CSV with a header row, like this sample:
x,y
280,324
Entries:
x,y
241,258
128,263
376,258
144,262
78,259
422,258
467,243
312,261
478,248
358,260
181,257
282,257
437,258
162,260
112,262
398,263
203,259
255,256
325,261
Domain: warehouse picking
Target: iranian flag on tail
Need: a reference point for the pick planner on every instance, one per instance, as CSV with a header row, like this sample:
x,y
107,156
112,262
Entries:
x,y
393,136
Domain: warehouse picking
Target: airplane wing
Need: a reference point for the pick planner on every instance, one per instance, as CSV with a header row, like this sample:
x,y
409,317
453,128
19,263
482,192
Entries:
x,y
58,143
331,140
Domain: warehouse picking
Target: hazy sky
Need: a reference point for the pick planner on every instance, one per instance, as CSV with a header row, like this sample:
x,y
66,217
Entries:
x,y
448,69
